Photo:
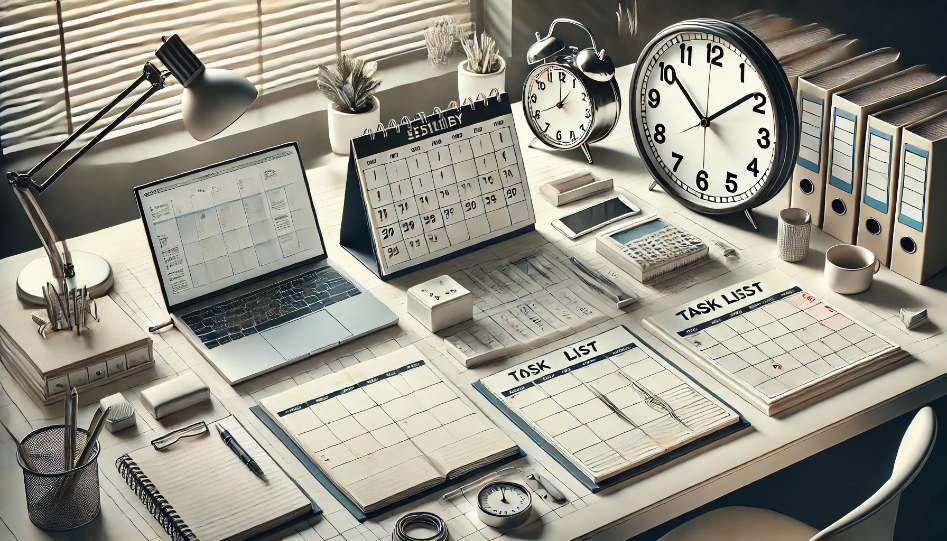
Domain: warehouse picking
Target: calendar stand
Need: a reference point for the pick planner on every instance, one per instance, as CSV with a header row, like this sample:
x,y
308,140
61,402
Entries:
x,y
427,190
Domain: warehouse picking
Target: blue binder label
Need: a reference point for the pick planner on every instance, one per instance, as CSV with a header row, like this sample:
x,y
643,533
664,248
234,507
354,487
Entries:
x,y
844,128
878,173
913,187
810,144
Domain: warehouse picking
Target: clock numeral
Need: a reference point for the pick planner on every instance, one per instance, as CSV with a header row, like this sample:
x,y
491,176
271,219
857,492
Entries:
x,y
742,72
763,141
714,54
536,114
654,98
584,97
540,85
731,185
546,128
562,76
532,98
702,180
758,108
679,159
659,137
753,168
667,73
549,75
572,135
559,135
686,52
588,113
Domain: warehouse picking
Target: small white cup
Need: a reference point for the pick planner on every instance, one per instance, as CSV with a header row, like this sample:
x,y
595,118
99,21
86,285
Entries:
x,y
850,269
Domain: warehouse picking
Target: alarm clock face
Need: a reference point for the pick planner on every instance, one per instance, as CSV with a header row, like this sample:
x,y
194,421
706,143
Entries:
x,y
504,505
712,119
558,106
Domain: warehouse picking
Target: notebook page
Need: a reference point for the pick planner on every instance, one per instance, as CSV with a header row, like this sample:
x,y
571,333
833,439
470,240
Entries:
x,y
214,493
432,413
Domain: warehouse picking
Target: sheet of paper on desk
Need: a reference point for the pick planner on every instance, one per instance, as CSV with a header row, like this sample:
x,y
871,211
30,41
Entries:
x,y
555,395
773,342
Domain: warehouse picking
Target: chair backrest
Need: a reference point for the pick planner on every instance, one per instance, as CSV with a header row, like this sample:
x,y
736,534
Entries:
x,y
874,519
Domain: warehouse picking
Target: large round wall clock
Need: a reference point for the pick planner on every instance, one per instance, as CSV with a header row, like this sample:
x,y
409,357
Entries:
x,y
570,98
714,117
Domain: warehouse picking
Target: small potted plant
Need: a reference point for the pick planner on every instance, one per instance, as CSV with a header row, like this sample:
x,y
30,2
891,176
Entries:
x,y
483,70
349,85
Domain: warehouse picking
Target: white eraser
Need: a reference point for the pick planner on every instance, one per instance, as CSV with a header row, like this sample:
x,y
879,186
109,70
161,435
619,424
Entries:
x,y
173,396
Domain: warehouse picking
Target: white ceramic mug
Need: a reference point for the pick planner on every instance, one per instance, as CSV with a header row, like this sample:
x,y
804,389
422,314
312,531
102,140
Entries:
x,y
850,269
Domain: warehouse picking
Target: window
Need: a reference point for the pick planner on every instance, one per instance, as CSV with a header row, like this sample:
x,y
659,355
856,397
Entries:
x,y
61,61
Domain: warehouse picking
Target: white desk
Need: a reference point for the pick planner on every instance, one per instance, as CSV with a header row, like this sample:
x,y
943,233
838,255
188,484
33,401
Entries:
x,y
617,513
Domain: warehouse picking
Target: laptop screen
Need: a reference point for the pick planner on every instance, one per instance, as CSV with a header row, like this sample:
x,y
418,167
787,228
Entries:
x,y
229,223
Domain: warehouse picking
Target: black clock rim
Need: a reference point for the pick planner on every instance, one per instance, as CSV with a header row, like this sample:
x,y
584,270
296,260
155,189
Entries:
x,y
575,72
498,482
784,111
613,84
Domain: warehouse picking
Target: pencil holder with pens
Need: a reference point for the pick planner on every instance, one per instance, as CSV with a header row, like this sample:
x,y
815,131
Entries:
x,y
58,498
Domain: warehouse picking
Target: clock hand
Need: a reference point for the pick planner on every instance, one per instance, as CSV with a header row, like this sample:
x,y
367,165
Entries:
x,y
689,99
731,106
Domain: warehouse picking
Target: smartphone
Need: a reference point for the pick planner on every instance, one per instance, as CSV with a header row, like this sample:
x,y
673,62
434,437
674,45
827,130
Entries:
x,y
591,218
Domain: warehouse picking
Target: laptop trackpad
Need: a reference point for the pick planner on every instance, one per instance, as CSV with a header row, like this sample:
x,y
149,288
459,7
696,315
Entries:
x,y
307,335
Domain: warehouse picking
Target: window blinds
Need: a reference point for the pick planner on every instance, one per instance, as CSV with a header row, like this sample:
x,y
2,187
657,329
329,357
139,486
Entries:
x,y
274,43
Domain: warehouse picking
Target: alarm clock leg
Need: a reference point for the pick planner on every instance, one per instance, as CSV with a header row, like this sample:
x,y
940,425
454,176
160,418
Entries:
x,y
652,185
749,216
533,142
588,154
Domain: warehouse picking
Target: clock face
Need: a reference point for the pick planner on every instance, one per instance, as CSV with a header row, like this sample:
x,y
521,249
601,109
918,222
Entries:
x,y
558,106
706,121
504,499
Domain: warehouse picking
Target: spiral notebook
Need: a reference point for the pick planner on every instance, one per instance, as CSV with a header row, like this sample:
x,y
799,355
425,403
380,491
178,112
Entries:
x,y
198,489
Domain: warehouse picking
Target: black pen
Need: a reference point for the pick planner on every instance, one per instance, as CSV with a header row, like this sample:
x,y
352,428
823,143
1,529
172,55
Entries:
x,y
235,447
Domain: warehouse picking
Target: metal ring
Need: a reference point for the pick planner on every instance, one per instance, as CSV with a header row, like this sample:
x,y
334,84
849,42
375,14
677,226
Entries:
x,y
484,98
492,91
381,128
421,116
393,124
423,519
369,132
467,100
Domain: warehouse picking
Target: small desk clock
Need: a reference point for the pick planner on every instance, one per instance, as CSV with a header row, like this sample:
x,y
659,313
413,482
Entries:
x,y
714,117
504,505
571,99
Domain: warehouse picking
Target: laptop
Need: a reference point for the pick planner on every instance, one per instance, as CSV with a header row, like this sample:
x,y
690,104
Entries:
x,y
243,267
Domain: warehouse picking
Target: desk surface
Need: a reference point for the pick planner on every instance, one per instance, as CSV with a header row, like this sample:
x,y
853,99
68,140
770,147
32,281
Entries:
x,y
617,513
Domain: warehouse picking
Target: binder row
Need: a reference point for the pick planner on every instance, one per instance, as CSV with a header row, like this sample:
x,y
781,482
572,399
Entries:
x,y
863,173
437,112
156,504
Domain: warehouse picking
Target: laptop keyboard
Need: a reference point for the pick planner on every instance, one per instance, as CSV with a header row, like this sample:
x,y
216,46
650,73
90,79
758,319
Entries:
x,y
270,306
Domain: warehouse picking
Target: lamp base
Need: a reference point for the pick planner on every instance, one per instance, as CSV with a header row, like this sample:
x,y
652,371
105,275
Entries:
x,y
92,272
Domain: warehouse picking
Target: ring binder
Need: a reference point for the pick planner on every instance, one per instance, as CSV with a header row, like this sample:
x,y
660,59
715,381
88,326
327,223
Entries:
x,y
451,182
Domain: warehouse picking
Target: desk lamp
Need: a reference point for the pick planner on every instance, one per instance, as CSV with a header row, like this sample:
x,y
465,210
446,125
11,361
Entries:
x,y
213,100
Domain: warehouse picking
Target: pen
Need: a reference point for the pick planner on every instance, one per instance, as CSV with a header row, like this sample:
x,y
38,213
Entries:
x,y
235,447
95,428
600,278
24,454
611,405
70,421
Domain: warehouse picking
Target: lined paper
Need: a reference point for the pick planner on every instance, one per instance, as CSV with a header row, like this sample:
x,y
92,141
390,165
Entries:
x,y
877,180
810,145
913,187
843,150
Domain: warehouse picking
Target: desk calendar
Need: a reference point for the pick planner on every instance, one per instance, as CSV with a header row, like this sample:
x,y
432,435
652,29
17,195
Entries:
x,y
440,185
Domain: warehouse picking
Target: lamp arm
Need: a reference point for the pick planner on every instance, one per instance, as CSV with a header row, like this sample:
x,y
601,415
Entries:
x,y
149,73
46,234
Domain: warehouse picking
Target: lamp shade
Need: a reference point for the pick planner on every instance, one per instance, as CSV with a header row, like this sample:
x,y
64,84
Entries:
x,y
213,100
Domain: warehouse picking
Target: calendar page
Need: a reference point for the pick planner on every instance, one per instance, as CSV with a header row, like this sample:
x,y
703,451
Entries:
x,y
772,341
439,185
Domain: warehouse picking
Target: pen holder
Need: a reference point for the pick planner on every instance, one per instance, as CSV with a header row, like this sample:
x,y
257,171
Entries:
x,y
56,499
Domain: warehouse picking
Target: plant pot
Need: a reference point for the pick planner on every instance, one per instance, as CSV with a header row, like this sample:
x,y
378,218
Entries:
x,y
470,84
343,127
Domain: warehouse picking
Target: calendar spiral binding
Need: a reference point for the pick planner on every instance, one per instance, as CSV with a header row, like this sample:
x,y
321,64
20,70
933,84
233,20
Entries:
x,y
405,121
156,504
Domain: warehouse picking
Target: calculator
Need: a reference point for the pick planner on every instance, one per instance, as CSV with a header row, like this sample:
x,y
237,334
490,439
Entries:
x,y
651,249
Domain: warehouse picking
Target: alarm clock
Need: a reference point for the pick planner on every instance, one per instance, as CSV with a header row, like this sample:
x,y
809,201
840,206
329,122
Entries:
x,y
714,117
504,505
571,99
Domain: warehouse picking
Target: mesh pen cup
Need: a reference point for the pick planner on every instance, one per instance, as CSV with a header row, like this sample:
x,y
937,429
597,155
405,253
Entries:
x,y
57,499
792,234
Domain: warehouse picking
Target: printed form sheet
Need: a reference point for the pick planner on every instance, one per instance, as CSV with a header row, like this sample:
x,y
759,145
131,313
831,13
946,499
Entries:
x,y
221,226
557,395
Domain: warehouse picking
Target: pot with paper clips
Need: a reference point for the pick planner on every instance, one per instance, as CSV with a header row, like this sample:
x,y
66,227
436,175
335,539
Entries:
x,y
58,498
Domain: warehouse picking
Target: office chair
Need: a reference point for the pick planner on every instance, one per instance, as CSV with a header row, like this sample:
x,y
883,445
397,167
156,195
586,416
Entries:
x,y
873,520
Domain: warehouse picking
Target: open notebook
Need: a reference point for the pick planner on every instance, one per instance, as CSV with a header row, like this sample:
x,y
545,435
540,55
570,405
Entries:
x,y
607,404
198,489
387,428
